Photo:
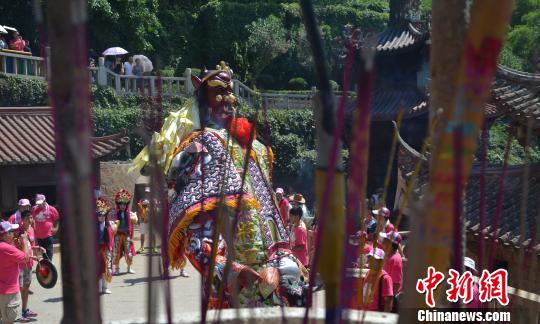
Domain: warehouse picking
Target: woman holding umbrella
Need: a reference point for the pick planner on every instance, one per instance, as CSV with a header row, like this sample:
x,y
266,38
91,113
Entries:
x,y
116,66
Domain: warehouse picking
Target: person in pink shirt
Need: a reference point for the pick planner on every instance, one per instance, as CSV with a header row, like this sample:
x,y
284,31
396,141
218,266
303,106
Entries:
x,y
24,204
46,219
470,265
284,206
298,237
383,218
378,293
10,294
25,276
394,263
17,43
360,240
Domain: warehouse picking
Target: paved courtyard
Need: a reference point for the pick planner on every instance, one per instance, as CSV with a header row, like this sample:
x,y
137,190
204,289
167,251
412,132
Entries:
x,y
128,298
129,294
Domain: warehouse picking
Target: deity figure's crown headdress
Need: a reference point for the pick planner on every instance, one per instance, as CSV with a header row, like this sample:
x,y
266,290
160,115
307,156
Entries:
x,y
102,206
222,67
122,196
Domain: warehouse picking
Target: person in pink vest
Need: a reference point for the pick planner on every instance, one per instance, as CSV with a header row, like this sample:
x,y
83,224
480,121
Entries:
x,y
46,219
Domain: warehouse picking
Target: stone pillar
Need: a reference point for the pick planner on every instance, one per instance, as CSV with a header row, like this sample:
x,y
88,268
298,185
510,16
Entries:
x,y
187,84
237,88
102,72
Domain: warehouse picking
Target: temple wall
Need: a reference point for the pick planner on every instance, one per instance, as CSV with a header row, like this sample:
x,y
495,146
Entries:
x,y
114,176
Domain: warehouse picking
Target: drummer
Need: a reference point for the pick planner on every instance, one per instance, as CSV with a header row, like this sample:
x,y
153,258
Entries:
x,y
25,268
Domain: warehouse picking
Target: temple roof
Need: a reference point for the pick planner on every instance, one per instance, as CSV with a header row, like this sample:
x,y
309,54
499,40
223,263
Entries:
x,y
519,94
387,102
27,137
508,233
400,38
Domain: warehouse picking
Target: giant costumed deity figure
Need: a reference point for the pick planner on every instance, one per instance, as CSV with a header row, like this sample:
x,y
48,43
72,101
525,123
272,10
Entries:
x,y
203,148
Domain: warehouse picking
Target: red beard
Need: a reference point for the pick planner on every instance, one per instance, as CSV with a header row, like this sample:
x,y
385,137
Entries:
x,y
240,129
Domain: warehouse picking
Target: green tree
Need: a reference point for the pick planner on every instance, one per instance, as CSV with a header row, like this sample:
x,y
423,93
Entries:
x,y
266,41
522,51
132,24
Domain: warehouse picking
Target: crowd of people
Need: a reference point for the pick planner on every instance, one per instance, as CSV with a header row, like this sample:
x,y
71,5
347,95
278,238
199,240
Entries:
x,y
17,43
381,261
128,67
30,229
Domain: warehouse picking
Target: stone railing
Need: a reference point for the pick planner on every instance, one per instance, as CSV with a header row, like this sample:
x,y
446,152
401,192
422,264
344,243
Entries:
x,y
23,64
150,85
281,99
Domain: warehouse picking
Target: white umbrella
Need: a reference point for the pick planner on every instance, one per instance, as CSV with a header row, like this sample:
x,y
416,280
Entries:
x,y
9,28
114,51
145,61
3,30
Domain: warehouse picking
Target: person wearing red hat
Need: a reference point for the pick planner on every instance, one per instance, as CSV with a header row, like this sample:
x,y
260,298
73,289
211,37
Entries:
x,y
46,220
394,263
123,239
11,256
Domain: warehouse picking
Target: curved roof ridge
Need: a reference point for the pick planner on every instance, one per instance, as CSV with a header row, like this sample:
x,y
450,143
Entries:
x,y
406,146
415,30
517,75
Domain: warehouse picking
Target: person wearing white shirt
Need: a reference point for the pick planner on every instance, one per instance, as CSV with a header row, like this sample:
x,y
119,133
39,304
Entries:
x,y
128,66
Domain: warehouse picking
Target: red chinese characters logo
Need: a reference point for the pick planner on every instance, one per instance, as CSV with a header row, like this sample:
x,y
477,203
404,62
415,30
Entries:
x,y
491,286
494,286
460,286
429,284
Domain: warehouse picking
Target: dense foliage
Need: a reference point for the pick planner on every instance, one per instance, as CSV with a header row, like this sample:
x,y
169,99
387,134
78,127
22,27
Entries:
x,y
17,92
497,146
524,36
263,41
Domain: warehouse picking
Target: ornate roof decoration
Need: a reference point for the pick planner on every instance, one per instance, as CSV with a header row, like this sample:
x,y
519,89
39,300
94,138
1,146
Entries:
x,y
401,38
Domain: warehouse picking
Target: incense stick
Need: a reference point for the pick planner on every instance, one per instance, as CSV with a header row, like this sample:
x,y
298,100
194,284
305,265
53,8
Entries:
x,y
390,164
482,200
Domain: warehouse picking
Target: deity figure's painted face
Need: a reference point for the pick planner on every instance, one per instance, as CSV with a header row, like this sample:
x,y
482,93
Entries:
x,y
217,88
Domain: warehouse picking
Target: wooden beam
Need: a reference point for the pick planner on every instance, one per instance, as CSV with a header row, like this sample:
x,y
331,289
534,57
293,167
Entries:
x,y
71,101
